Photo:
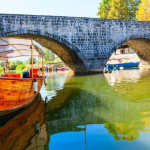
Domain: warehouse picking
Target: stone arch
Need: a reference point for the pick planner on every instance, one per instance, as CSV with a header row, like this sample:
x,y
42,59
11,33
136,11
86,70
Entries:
x,y
141,45
68,53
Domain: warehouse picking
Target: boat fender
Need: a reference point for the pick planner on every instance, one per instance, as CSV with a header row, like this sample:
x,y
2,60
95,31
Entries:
x,y
37,127
45,80
35,85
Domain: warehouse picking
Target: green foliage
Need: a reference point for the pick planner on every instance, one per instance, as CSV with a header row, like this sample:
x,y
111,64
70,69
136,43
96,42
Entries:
x,y
12,67
118,9
20,67
104,9
143,12
49,56
1,64
17,62
46,62
29,61
13,64
57,59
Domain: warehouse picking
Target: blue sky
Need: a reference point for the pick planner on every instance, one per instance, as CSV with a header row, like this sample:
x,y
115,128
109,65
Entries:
x,y
78,8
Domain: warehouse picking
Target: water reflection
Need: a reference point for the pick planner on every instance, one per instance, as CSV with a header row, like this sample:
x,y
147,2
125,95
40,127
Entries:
x,y
55,82
89,112
119,110
18,130
132,84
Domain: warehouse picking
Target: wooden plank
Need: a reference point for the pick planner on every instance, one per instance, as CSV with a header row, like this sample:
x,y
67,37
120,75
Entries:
x,y
17,92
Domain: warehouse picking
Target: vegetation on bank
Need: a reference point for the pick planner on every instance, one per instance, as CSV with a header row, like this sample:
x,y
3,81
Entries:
x,y
125,9
143,13
50,57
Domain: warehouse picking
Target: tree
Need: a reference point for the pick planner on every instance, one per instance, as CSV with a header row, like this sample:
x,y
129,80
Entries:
x,y
20,67
49,56
104,9
119,9
2,64
115,12
143,12
19,62
29,61
12,67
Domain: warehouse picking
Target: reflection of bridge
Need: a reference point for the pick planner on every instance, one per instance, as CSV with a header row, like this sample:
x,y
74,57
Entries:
x,y
84,44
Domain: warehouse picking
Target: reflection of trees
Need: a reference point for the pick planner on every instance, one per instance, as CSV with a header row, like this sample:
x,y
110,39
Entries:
x,y
55,81
124,131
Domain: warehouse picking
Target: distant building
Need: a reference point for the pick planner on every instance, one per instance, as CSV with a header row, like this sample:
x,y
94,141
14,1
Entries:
x,y
124,49
124,54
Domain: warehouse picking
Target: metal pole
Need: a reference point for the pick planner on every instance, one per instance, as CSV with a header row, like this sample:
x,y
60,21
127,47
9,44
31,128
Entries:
x,y
8,66
42,66
38,65
85,137
38,61
32,57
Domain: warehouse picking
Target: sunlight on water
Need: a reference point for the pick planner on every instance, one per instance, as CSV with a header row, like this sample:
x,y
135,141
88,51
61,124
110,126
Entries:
x,y
55,82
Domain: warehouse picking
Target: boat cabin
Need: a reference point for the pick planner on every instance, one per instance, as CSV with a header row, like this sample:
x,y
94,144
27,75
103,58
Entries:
x,y
13,47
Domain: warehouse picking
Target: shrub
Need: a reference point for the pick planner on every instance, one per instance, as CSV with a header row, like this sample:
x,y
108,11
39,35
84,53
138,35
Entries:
x,y
20,67
12,67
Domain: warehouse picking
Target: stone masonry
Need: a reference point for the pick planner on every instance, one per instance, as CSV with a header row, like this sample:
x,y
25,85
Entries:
x,y
84,44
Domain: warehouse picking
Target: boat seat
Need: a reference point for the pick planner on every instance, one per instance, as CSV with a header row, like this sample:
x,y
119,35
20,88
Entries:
x,y
11,75
35,73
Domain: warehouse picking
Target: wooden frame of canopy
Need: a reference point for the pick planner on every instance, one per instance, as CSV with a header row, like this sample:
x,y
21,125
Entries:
x,y
13,47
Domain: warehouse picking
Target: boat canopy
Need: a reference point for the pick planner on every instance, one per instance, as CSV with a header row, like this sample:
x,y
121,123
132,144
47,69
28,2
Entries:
x,y
54,63
12,47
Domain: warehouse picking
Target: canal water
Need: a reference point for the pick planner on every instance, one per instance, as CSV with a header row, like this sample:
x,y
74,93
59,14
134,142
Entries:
x,y
107,112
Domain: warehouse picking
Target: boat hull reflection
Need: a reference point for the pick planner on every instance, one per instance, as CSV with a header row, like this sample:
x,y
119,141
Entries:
x,y
17,132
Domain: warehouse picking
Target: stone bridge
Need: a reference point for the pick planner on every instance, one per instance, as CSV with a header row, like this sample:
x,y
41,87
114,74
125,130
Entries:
x,y
84,44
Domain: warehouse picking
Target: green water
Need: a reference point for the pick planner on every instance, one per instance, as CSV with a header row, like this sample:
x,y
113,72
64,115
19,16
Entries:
x,y
96,112
102,112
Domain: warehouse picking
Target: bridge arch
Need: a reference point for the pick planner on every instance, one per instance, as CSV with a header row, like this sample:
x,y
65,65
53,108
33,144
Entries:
x,y
67,52
141,46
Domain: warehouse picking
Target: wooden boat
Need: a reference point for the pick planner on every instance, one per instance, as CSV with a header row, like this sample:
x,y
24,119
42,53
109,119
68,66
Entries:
x,y
110,66
17,92
127,65
61,68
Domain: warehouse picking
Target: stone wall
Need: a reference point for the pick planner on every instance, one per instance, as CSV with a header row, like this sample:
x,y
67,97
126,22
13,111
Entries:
x,y
91,40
